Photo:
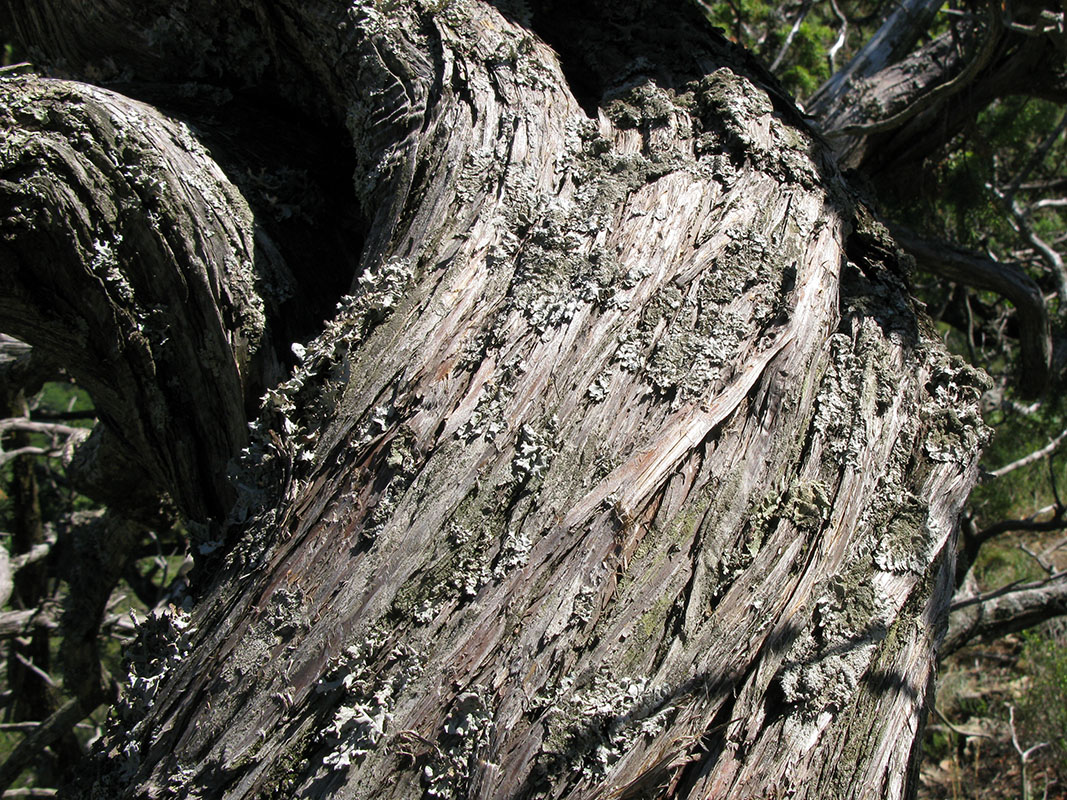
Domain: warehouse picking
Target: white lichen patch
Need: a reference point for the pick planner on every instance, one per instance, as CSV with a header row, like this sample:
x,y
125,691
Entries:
x,y
514,553
905,541
826,663
462,740
955,429
593,728
598,389
369,683
842,429
533,454
471,574
105,264
164,639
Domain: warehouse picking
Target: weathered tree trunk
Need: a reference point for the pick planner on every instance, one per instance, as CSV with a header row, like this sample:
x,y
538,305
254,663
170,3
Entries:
x,y
625,468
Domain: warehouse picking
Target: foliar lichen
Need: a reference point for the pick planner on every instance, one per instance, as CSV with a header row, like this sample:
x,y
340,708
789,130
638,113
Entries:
x,y
955,429
163,640
490,418
533,454
825,664
105,264
367,683
905,543
284,437
836,420
644,106
590,729
460,745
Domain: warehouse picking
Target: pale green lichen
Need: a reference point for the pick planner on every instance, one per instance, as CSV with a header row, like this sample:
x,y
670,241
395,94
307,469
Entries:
x,y
592,728
369,683
825,664
463,738
104,263
163,640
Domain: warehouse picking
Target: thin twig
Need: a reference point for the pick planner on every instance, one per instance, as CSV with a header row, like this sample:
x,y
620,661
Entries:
x,y
1014,586
1024,755
831,54
804,9
1036,158
959,731
36,670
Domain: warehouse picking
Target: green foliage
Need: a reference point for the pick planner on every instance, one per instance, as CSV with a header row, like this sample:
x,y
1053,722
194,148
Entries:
x,y
763,29
1000,564
1043,716
957,201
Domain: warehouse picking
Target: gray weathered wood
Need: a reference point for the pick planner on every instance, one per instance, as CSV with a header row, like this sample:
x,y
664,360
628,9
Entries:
x,y
627,465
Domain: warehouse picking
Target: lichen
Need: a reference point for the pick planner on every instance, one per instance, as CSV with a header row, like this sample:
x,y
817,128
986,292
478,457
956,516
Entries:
x,y
463,737
104,262
592,728
163,640
533,452
368,684
826,663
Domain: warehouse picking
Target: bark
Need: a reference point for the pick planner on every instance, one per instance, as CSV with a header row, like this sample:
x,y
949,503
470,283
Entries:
x,y
626,466
889,112
129,258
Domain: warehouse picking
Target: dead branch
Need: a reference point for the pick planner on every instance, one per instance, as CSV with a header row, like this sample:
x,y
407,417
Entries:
x,y
1006,279
1037,455
1010,609
59,724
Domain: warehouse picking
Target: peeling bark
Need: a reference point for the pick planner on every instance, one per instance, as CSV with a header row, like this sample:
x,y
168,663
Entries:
x,y
627,464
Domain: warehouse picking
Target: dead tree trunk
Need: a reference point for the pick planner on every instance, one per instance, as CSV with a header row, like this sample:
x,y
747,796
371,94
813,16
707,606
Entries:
x,y
625,467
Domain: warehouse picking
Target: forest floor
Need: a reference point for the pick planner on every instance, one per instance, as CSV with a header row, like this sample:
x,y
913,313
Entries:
x,y
969,751
999,700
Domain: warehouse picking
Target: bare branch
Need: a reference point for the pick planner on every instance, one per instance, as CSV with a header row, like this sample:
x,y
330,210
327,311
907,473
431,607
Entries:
x,y
1052,258
1009,609
960,731
940,92
842,33
47,428
13,623
36,670
894,38
1024,755
1051,202
1037,455
11,455
1006,279
804,9
1036,158
57,725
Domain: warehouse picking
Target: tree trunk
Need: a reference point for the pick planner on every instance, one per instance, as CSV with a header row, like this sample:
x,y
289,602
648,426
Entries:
x,y
626,467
